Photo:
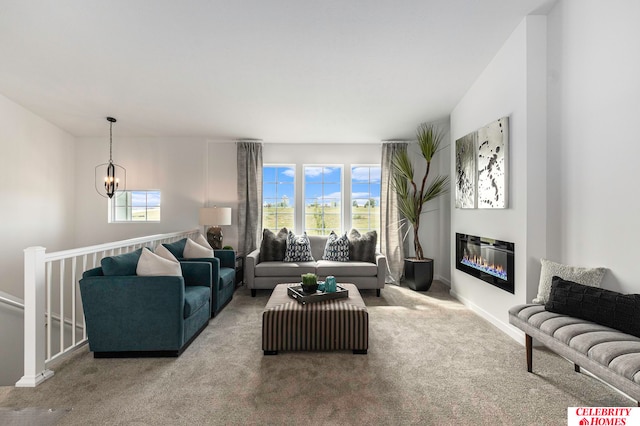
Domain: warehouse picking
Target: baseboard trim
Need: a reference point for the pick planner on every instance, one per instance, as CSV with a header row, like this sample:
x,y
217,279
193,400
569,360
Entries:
x,y
506,328
443,280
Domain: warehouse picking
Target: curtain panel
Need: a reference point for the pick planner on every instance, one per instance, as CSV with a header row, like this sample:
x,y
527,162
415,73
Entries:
x,y
391,238
249,195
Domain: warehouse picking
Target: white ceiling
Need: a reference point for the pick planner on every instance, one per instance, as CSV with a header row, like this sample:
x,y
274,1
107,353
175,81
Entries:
x,y
278,70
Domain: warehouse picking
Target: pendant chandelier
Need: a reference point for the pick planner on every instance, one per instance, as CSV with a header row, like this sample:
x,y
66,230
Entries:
x,y
108,175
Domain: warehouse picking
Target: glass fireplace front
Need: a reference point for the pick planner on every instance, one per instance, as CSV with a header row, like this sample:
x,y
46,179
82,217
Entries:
x,y
486,259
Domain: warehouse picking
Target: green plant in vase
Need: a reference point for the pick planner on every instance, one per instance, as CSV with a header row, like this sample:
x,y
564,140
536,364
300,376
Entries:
x,y
309,283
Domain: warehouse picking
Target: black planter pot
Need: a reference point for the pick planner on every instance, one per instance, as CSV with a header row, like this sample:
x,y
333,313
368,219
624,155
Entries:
x,y
309,288
418,274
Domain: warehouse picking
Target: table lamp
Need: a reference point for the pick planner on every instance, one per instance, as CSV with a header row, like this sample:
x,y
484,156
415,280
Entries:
x,y
215,217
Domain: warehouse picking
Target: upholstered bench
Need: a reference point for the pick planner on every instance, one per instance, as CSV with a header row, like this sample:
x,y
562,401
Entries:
x,y
339,324
609,354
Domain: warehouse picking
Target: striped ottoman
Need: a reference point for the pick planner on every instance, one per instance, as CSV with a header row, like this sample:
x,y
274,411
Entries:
x,y
339,324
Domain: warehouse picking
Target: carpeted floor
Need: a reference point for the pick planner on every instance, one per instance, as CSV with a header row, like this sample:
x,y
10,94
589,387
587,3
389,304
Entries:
x,y
431,361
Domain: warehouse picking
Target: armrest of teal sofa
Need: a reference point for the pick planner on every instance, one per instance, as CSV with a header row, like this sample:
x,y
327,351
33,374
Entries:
x,y
213,263
227,258
197,273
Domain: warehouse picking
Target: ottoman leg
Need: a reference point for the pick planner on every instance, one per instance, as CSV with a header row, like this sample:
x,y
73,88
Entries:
x,y
271,352
359,351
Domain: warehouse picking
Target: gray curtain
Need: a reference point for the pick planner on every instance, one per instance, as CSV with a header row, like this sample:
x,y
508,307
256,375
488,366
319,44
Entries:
x,y
249,195
391,237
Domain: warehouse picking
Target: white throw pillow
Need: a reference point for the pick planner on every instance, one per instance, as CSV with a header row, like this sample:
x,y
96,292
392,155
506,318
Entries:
x,y
203,241
152,265
164,253
586,276
193,250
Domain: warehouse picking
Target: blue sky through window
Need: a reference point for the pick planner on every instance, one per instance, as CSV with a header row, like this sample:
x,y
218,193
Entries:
x,y
277,183
365,184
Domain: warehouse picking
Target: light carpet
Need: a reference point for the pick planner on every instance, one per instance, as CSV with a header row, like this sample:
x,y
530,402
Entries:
x,y
431,361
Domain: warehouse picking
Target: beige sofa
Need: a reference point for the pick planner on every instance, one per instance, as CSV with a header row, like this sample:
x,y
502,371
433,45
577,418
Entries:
x,y
266,275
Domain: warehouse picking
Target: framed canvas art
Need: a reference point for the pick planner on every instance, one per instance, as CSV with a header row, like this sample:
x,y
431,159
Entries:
x,y
466,171
492,164
481,167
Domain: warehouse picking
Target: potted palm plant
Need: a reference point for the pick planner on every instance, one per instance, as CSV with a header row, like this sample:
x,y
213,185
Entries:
x,y
418,270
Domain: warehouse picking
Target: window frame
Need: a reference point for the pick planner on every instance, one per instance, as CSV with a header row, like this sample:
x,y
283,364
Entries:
x,y
112,206
351,198
293,202
342,196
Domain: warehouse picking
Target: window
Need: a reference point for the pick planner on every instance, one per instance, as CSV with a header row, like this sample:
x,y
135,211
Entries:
x,y
135,206
278,197
365,197
322,199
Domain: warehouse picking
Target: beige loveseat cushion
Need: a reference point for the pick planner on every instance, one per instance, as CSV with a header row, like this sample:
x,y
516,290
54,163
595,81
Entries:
x,y
346,269
284,269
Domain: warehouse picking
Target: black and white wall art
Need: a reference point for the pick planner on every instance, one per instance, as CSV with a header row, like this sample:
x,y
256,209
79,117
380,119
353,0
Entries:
x,y
481,167
466,171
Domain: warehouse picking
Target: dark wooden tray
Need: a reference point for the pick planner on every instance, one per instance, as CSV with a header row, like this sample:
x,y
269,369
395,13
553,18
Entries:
x,y
296,292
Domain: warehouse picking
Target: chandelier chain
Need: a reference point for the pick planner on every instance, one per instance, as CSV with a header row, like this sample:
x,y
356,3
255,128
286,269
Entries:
x,y
111,141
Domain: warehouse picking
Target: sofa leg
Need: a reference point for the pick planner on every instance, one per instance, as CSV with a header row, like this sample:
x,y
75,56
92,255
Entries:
x,y
529,349
253,292
576,368
378,292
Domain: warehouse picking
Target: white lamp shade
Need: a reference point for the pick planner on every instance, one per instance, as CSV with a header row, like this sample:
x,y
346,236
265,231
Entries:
x,y
215,216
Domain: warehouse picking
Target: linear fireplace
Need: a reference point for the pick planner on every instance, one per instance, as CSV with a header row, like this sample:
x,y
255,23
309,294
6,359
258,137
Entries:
x,y
486,259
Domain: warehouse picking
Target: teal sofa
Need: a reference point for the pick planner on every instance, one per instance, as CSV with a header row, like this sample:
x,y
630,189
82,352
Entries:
x,y
223,269
130,316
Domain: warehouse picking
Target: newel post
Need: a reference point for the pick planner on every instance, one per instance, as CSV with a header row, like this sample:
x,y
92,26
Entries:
x,y
34,319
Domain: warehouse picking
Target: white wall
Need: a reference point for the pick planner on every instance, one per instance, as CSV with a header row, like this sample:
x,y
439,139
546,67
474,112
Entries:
x,y
175,166
594,92
37,204
222,184
513,85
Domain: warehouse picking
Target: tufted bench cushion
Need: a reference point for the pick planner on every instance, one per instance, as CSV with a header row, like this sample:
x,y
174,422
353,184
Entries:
x,y
609,354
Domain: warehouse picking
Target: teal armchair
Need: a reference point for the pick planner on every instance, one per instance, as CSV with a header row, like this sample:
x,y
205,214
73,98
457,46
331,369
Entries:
x,y
227,281
130,315
223,273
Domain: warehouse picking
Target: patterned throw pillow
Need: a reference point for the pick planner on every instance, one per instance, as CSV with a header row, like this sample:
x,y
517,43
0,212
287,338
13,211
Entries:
x,y
273,246
337,248
362,248
298,248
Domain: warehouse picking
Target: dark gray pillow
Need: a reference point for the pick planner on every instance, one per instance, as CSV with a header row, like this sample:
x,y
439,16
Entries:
x,y
176,248
123,264
273,246
606,307
362,248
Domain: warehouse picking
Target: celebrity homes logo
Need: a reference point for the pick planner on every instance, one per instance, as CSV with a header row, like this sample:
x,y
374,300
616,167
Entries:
x,y
603,416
